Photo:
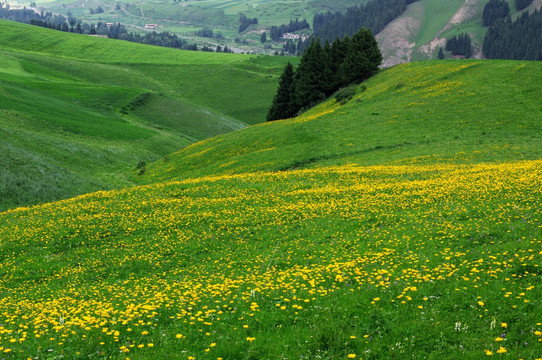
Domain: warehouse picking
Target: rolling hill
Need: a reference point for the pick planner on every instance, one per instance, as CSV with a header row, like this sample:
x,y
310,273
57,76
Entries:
x,y
78,112
403,224
415,35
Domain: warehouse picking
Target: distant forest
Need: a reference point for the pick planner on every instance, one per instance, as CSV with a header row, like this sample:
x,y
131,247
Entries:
x,y
515,40
460,45
374,15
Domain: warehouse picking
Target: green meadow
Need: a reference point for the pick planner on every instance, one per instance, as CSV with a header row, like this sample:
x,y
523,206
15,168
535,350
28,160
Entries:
x,y
404,223
79,112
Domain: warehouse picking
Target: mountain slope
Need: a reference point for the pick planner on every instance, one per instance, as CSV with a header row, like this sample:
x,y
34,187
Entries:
x,y
425,112
426,24
79,112
410,229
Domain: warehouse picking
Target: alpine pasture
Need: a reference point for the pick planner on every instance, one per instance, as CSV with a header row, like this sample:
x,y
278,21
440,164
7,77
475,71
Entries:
x,y
405,223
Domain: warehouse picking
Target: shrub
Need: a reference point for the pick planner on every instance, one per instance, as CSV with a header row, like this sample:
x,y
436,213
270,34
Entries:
x,y
346,94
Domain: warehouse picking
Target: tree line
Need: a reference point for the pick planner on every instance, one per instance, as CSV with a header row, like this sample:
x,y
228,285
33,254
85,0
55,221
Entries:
x,y
494,10
245,22
460,45
515,40
522,4
323,70
374,15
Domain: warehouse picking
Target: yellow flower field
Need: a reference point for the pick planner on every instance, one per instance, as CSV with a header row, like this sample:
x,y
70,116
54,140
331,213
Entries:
x,y
336,262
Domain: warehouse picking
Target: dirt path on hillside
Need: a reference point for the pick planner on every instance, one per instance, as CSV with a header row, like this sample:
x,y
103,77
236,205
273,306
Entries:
x,y
141,10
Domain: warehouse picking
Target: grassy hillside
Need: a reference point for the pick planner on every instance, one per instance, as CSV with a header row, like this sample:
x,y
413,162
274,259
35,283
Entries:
x,y
406,226
453,112
79,112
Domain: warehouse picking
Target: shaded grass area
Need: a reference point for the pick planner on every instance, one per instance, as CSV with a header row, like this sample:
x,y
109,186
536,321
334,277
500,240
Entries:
x,y
72,124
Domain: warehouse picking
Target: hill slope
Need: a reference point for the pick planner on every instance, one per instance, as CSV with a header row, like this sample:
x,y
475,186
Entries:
x,y
426,24
426,112
412,234
79,112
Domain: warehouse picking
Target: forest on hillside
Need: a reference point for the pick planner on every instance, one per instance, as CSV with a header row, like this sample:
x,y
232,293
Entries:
x,y
374,15
508,39
323,70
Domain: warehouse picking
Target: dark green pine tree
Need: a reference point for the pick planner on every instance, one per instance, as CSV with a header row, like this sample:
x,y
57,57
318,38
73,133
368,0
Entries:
x,y
328,76
263,38
440,54
339,49
309,87
362,59
282,108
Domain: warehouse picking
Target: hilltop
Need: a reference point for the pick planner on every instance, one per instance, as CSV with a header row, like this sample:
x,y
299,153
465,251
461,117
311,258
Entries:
x,y
79,112
402,224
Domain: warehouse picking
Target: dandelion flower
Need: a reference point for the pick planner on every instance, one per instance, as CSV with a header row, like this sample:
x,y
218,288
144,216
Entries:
x,y
501,350
351,356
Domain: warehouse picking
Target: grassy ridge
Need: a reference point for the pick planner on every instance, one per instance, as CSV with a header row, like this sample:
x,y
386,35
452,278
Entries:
x,y
79,112
426,112
400,229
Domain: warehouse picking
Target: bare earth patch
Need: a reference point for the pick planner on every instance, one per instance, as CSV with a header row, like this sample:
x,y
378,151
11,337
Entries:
x,y
395,40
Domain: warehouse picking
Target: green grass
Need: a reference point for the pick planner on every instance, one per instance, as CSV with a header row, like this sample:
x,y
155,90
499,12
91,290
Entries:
x,y
436,15
79,112
422,112
403,224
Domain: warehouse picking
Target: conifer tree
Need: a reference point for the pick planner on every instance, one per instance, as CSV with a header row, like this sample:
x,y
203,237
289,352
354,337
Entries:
x,y
309,88
339,49
328,78
362,59
440,53
281,107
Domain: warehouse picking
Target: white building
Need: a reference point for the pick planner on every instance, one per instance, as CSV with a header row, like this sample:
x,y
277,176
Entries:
x,y
290,36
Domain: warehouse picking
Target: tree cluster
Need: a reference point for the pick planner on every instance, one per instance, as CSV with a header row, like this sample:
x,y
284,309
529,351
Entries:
x,y
323,70
522,4
292,48
205,32
98,10
374,15
276,32
515,40
494,10
245,22
460,45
